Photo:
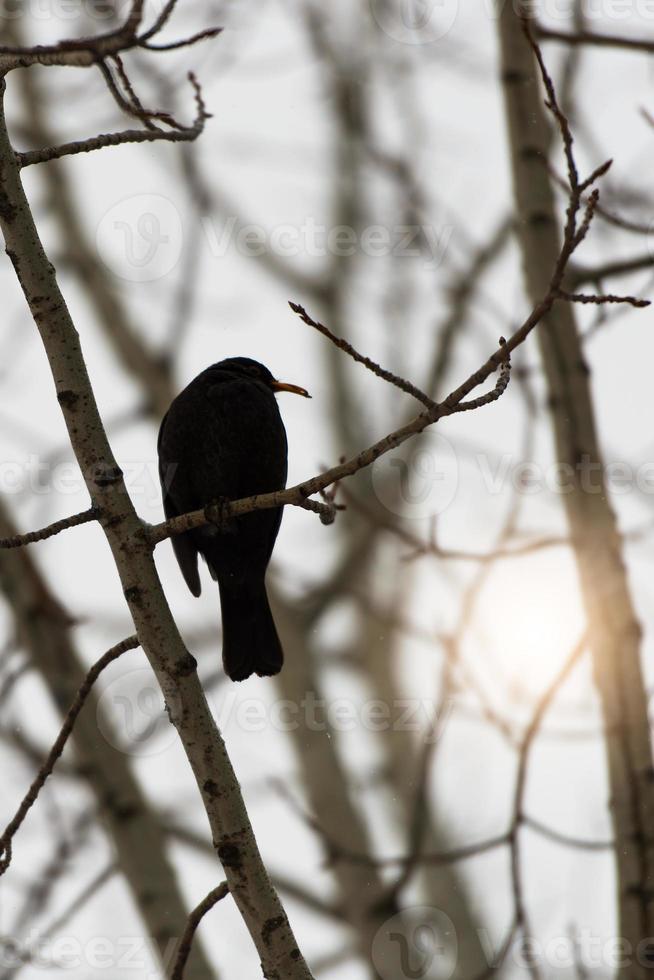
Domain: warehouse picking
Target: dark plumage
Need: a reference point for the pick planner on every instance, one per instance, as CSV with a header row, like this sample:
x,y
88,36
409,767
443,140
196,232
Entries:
x,y
221,439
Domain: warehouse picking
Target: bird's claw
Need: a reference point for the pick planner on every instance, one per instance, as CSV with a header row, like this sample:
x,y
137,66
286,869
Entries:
x,y
217,513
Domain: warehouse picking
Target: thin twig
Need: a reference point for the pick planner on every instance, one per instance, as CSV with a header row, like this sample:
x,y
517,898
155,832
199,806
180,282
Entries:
x,y
520,785
178,135
381,372
619,267
209,32
491,396
87,51
34,949
431,546
591,37
574,234
18,540
55,752
601,298
578,843
194,920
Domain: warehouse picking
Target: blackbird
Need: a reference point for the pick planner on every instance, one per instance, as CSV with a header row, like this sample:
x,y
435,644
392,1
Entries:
x,y
221,439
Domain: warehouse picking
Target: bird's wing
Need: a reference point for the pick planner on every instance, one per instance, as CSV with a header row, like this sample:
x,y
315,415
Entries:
x,y
185,551
183,544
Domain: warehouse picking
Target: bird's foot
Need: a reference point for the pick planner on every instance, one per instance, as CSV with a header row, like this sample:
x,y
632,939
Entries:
x,y
218,515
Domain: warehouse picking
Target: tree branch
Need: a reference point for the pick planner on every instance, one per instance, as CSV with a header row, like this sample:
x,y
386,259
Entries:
x,y
613,627
19,540
194,919
157,631
87,51
130,643
592,37
177,135
343,345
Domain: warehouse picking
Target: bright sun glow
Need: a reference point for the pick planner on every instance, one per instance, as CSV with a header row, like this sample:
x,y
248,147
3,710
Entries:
x,y
527,623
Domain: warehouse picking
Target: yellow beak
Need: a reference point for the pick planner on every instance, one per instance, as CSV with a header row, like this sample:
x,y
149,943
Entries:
x,y
284,386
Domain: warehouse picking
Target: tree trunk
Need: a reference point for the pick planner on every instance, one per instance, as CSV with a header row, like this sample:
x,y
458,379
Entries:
x,y
613,630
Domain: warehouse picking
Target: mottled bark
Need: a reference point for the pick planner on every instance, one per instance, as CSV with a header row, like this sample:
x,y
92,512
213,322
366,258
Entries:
x,y
43,627
614,631
174,667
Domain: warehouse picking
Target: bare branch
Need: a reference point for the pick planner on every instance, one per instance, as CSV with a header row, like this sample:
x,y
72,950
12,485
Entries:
x,y
130,643
174,667
491,396
80,52
177,135
591,37
601,298
205,35
19,540
381,372
579,843
194,920
79,901
86,51
619,267
613,627
161,21
520,784
626,224
431,546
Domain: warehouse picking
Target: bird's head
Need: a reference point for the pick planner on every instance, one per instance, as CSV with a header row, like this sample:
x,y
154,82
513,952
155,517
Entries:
x,y
245,367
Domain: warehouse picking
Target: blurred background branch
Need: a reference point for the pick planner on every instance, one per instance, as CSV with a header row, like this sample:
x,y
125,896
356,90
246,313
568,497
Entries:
x,y
356,160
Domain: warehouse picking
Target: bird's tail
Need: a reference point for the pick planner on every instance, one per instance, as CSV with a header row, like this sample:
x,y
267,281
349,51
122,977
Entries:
x,y
250,641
